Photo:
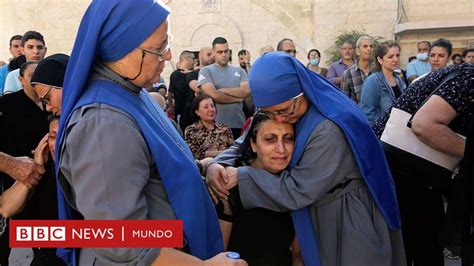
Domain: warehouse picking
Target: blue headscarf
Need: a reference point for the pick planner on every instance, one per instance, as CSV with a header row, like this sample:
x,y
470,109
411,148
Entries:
x,y
109,30
276,78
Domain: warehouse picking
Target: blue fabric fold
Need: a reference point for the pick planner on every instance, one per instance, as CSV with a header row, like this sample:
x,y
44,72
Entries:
x,y
274,73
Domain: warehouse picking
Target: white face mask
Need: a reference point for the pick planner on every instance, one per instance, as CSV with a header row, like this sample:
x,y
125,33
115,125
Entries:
x,y
422,56
314,62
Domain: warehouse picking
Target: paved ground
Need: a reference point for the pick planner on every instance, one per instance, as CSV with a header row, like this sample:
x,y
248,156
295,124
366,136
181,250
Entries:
x,y
22,257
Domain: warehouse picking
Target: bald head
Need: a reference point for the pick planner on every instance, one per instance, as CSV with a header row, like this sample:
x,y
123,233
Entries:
x,y
159,99
266,49
206,57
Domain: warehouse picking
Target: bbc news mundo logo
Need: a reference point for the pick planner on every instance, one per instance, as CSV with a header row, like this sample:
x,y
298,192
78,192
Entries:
x,y
96,233
40,233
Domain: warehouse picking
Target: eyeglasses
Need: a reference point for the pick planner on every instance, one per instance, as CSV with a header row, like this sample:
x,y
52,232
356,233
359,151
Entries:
x,y
161,54
293,52
285,112
42,97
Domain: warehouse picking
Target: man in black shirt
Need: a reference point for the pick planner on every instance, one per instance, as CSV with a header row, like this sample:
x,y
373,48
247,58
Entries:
x,y
180,91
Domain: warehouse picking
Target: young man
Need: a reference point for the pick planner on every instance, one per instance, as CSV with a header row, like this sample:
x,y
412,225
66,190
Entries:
x,y
227,85
34,49
15,50
180,91
244,60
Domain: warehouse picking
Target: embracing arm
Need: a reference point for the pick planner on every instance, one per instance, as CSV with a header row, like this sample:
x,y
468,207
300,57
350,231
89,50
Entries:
x,y
326,161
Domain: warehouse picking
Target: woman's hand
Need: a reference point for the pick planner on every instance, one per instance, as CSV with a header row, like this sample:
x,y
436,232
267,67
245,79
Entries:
x,y
41,152
232,177
216,179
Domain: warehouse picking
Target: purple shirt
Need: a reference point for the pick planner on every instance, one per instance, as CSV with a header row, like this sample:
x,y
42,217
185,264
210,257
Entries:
x,y
335,70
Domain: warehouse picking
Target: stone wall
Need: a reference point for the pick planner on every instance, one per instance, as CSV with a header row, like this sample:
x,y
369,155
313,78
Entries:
x,y
57,20
252,24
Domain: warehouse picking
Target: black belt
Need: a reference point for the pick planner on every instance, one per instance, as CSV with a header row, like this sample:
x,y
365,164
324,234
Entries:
x,y
340,186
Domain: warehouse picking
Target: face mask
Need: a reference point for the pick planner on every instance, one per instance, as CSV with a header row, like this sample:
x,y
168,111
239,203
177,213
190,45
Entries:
x,y
314,61
422,56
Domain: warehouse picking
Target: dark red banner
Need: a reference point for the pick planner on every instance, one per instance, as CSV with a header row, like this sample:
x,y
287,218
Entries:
x,y
96,233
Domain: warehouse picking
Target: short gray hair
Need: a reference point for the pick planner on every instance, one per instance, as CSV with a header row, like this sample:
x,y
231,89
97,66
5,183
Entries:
x,y
362,38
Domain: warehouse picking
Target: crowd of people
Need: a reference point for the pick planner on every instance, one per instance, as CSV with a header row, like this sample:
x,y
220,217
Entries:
x,y
295,166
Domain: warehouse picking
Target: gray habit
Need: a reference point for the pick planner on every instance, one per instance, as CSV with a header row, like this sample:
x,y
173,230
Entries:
x,y
349,226
109,174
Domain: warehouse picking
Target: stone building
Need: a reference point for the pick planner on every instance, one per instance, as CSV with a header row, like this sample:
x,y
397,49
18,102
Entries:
x,y
252,24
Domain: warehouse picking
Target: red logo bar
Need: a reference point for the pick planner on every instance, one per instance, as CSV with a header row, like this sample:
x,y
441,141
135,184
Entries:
x,y
96,233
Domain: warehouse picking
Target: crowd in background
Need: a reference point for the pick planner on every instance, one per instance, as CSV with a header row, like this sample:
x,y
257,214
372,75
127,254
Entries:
x,y
209,102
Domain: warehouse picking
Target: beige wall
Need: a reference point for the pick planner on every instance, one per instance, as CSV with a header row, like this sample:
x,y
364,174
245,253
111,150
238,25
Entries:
x,y
332,17
439,10
252,24
57,20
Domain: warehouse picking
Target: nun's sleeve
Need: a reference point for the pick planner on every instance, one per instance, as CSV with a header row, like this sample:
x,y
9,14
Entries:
x,y
229,155
326,161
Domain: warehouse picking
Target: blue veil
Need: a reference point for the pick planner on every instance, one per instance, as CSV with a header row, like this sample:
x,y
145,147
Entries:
x,y
109,30
277,77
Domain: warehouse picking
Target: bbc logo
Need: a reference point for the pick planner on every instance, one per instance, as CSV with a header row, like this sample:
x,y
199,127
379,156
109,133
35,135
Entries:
x,y
41,233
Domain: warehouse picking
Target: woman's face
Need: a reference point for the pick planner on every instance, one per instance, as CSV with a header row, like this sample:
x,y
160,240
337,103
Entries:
x,y
273,145
26,79
457,60
314,55
439,57
206,110
50,96
53,131
150,57
391,60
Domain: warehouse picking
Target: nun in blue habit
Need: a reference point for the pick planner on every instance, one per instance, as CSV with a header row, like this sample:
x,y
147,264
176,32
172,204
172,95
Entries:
x,y
119,156
338,185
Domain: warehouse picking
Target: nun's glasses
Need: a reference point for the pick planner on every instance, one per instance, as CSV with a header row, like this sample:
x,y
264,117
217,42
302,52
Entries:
x,y
161,54
284,111
43,99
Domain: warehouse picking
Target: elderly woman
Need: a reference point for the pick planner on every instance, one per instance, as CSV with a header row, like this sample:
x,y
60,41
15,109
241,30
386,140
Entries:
x,y
381,90
118,155
436,124
206,138
338,184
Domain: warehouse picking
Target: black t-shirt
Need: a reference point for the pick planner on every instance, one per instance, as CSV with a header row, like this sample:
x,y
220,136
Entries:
x,y
183,96
22,125
396,91
260,236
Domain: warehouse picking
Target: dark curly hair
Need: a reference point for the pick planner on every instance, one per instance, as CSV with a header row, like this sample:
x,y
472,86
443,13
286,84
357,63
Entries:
x,y
246,154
